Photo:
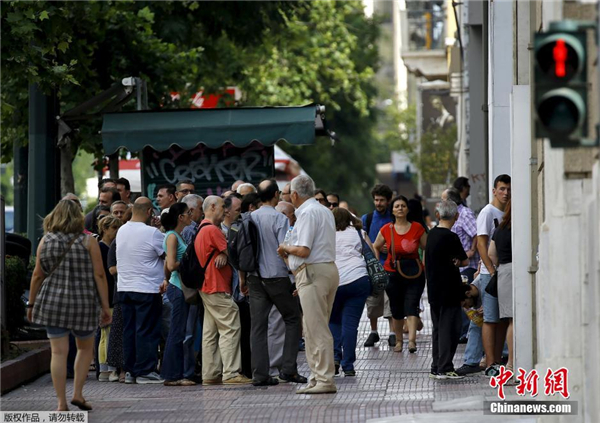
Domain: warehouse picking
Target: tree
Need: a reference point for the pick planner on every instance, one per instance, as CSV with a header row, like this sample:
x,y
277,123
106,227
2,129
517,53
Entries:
x,y
78,49
278,53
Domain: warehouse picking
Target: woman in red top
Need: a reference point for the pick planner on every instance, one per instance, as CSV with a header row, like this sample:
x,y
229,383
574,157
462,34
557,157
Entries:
x,y
404,291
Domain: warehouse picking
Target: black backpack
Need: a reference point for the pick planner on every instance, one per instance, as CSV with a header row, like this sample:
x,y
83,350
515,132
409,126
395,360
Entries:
x,y
243,245
190,271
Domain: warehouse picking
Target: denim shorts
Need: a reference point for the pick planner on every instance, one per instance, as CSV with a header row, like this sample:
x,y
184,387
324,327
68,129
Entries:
x,y
491,311
54,332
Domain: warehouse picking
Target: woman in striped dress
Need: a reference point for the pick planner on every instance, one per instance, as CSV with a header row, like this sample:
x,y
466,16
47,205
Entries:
x,y
68,294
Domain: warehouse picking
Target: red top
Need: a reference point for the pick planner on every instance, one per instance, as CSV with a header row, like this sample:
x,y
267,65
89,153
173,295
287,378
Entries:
x,y
212,239
406,246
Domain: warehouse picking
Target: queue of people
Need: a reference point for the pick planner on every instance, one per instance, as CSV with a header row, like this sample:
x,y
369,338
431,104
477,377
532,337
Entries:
x,y
117,274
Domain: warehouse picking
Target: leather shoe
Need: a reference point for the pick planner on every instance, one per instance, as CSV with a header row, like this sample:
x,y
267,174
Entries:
x,y
320,389
269,382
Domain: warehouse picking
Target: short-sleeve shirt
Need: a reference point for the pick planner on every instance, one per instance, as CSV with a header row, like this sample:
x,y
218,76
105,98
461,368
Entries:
x,y
443,277
140,258
348,256
379,220
489,217
314,229
466,229
181,247
272,227
406,246
503,241
212,241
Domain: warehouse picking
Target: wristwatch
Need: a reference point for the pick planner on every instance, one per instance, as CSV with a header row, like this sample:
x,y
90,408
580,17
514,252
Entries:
x,y
29,305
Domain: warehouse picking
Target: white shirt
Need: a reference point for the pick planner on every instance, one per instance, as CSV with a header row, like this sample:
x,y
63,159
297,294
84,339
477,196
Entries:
x,y
486,226
139,263
348,256
315,229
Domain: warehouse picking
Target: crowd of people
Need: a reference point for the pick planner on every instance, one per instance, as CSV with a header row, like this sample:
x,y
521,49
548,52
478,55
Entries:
x,y
110,280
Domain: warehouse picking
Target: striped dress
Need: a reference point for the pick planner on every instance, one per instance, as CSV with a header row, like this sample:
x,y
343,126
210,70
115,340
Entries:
x,y
68,298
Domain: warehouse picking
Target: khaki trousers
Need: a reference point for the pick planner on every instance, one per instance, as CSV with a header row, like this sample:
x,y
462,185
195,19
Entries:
x,y
221,352
317,285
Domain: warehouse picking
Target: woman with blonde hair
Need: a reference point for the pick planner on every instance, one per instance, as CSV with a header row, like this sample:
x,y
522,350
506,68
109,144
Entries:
x,y
107,229
67,287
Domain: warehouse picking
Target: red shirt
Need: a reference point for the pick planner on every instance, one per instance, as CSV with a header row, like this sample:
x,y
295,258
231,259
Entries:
x,y
406,246
212,239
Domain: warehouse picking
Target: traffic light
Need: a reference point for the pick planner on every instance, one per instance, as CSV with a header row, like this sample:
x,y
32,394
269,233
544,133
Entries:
x,y
561,85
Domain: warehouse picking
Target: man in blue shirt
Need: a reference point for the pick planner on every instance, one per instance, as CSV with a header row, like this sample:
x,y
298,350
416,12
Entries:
x,y
372,222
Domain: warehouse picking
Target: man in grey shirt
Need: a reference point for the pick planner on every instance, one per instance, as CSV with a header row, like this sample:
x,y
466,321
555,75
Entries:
x,y
272,286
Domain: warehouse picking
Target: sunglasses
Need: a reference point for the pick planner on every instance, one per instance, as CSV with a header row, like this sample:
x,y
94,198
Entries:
x,y
334,204
322,200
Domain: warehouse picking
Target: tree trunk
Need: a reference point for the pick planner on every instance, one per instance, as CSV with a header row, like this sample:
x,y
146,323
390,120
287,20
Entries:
x,y
67,155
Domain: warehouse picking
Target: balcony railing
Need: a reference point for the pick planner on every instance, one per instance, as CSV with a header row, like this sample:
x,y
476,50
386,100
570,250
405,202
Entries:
x,y
423,29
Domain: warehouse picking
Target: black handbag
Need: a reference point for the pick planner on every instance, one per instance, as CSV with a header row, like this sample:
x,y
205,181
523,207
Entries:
x,y
377,274
492,286
408,268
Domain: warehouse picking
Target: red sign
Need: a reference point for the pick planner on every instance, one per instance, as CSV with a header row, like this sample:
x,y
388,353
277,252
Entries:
x,y
210,101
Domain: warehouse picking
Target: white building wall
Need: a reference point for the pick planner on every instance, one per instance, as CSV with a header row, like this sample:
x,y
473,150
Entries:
x,y
500,82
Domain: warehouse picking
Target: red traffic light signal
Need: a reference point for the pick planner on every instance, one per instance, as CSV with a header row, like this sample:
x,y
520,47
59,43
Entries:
x,y
560,53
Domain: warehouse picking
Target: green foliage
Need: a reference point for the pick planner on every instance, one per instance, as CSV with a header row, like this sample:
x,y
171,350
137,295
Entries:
x,y
16,283
277,53
437,161
6,187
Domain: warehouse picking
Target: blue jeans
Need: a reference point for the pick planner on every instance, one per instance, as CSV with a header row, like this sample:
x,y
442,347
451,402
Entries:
x,y
191,335
347,309
141,331
474,349
173,359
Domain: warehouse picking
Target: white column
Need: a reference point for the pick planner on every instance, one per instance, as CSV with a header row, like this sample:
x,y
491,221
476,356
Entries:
x,y
521,226
500,82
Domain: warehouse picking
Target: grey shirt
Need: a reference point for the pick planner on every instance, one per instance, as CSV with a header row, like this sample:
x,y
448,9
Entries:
x,y
272,227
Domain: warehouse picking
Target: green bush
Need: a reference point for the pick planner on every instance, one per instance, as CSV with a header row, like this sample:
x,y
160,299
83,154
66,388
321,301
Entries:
x,y
16,283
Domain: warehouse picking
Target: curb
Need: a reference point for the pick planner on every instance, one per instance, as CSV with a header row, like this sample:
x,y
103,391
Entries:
x,y
26,367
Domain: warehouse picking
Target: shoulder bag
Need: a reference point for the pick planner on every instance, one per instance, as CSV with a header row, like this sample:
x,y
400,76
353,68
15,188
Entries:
x,y
409,268
377,274
492,286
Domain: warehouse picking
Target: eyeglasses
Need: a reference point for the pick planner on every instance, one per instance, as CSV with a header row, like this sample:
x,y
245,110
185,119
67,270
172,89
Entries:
x,y
334,204
322,200
187,191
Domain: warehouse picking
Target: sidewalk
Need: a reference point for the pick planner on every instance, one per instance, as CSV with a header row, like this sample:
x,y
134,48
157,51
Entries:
x,y
387,384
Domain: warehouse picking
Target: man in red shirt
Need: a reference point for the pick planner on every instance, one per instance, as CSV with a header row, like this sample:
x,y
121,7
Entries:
x,y
221,354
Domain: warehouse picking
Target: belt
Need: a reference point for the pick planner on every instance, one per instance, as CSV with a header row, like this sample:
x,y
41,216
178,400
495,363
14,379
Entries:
x,y
299,269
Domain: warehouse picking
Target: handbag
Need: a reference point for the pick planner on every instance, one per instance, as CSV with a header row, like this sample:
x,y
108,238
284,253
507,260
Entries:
x,y
190,295
377,274
408,268
492,286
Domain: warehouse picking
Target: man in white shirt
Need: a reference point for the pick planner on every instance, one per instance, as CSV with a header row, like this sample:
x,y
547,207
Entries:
x,y
311,255
493,332
140,265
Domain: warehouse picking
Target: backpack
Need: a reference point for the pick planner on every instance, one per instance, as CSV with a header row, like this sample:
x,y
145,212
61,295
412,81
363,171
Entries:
x,y
243,245
190,271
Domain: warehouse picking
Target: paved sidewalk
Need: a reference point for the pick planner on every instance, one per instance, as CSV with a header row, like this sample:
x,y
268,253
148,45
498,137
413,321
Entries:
x,y
387,384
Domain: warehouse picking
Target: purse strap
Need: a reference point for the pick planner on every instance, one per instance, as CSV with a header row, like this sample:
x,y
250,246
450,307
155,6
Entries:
x,y
62,257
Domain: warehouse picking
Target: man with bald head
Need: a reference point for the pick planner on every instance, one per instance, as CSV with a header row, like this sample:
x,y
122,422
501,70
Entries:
x,y
285,193
221,354
140,265
246,188
288,210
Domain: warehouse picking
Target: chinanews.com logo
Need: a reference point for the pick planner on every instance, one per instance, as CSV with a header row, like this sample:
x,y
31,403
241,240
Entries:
x,y
527,384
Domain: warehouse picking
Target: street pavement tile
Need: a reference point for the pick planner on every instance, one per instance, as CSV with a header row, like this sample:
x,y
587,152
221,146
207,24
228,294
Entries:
x,y
387,384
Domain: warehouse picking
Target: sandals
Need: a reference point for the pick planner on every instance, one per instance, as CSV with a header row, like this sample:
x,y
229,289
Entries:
x,y
82,405
398,347
412,347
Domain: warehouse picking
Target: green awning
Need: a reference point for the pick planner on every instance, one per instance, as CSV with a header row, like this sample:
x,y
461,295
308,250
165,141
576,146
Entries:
x,y
212,127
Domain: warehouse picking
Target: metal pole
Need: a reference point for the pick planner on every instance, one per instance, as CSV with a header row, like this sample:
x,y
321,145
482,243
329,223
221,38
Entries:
x,y
2,265
21,157
42,172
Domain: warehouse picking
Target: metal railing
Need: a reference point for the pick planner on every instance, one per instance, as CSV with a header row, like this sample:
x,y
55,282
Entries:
x,y
423,29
